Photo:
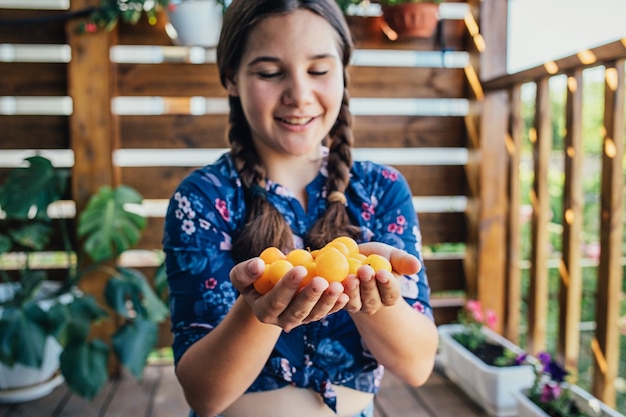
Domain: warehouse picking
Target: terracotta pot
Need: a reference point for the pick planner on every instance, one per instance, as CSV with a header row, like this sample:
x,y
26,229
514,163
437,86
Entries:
x,y
412,20
365,28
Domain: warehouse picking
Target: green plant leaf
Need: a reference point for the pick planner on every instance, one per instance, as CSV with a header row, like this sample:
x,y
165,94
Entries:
x,y
107,227
85,367
132,285
37,186
22,335
32,235
160,282
133,343
5,244
71,323
30,282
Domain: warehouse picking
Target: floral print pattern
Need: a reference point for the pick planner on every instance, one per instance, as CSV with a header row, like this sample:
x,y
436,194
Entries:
x,y
205,213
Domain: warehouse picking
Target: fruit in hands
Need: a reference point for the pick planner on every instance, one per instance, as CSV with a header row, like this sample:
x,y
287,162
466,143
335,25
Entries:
x,y
332,265
334,262
377,262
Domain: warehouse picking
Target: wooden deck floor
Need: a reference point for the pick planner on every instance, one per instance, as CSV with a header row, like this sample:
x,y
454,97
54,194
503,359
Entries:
x,y
159,395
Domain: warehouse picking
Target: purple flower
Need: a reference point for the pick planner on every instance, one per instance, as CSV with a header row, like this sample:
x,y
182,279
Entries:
x,y
556,371
550,392
521,358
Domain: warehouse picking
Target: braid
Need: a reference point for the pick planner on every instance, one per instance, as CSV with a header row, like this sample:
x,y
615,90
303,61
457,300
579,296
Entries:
x,y
335,221
264,225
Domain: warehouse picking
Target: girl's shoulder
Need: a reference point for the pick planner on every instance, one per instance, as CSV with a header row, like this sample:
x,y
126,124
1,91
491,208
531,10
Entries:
x,y
221,173
372,172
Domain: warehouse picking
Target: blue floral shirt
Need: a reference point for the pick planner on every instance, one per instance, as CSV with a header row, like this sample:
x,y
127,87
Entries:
x,y
208,208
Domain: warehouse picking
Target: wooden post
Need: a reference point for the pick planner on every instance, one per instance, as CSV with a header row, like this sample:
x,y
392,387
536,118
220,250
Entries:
x,y
488,218
570,270
94,130
605,345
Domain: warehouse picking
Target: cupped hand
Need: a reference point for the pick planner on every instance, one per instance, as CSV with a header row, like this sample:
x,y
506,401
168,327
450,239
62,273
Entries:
x,y
370,291
285,305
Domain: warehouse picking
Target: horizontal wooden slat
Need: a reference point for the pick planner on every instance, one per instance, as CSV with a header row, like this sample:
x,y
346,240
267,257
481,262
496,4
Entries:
x,y
445,273
33,79
180,79
143,33
34,132
445,315
33,27
169,79
207,131
409,131
406,82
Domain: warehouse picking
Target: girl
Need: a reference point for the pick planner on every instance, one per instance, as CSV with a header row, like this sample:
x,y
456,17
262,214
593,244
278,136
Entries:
x,y
289,181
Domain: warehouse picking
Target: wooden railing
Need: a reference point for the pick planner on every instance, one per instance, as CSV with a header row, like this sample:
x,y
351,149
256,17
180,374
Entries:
x,y
604,345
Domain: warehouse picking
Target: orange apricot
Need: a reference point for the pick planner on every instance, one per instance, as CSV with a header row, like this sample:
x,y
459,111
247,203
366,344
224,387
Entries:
x,y
332,265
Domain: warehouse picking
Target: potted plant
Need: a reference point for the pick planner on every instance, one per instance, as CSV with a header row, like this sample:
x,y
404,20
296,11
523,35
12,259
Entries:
x,y
37,314
552,395
410,18
191,22
487,366
364,19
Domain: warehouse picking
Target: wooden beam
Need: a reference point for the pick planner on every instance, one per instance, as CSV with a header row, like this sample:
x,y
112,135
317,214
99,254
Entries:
x,y
610,273
487,210
94,133
570,289
513,274
540,198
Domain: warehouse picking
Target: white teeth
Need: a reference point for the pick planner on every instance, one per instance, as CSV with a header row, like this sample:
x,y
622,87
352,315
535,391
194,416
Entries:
x,y
297,120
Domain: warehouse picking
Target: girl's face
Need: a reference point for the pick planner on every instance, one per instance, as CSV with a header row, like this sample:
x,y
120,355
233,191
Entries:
x,y
290,83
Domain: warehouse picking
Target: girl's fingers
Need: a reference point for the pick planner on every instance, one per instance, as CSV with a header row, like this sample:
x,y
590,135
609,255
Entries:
x,y
327,303
402,262
352,289
245,273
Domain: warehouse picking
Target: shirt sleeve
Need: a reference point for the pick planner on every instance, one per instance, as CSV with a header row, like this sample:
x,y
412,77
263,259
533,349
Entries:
x,y
197,243
396,224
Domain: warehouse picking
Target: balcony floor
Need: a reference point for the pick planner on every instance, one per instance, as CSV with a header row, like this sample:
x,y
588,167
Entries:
x,y
159,395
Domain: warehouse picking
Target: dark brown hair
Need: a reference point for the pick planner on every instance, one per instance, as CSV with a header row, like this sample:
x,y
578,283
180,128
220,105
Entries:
x,y
265,226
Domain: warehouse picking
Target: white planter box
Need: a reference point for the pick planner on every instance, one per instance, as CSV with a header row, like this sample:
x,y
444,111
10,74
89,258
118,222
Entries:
x,y
493,388
585,401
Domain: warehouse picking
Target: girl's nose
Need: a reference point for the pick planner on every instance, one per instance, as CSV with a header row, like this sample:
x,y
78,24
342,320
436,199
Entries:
x,y
298,91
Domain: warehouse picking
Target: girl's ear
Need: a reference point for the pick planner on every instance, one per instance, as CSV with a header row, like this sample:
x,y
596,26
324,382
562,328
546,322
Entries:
x,y
231,87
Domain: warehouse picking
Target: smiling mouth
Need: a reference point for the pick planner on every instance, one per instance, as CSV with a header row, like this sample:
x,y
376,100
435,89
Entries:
x,y
295,121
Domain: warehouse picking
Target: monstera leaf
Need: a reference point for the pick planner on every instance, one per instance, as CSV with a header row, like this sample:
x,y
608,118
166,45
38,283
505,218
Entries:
x,y
36,186
133,342
107,227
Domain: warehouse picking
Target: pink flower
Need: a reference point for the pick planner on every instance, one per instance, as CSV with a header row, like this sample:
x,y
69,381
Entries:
x,y
491,319
222,208
550,392
210,283
473,305
90,27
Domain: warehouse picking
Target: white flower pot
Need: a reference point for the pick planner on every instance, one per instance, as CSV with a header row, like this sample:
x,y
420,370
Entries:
x,y
195,23
585,401
493,388
20,383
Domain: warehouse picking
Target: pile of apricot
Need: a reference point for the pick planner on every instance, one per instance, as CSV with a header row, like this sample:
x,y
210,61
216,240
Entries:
x,y
334,262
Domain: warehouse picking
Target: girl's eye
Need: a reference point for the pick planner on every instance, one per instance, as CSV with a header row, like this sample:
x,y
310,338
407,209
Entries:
x,y
318,72
269,75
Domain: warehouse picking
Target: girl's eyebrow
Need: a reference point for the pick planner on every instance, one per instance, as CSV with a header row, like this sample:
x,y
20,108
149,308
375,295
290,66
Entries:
x,y
264,58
